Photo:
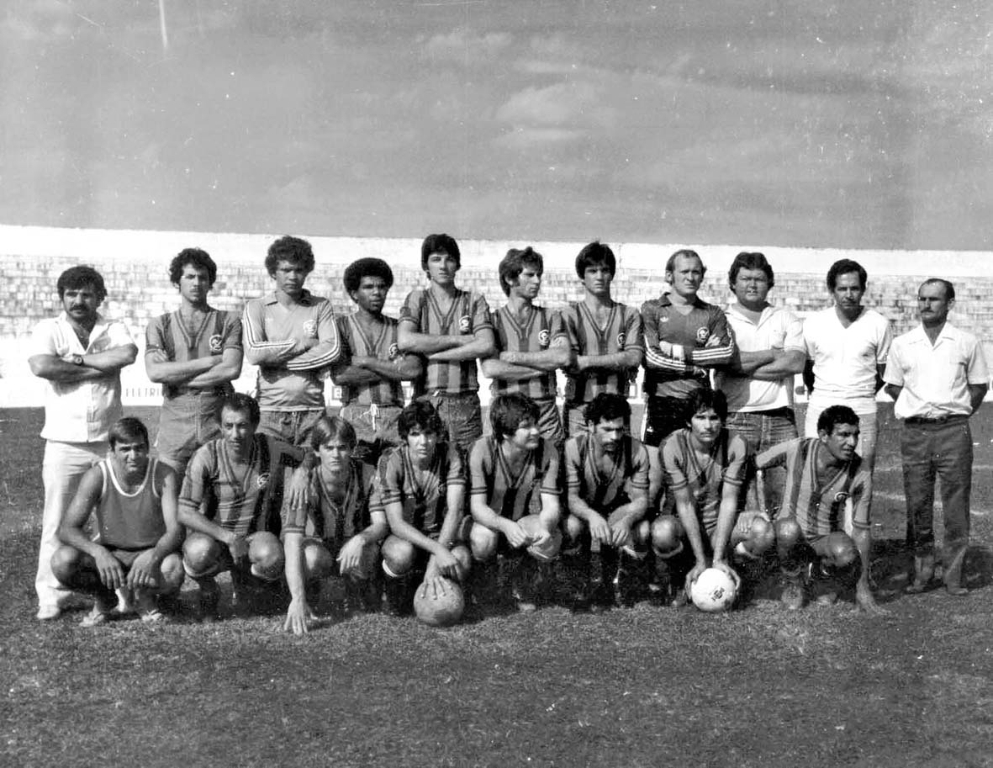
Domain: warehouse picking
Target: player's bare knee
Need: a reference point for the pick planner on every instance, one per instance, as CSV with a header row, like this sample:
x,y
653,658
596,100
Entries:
x,y
265,553
483,542
317,561
173,574
572,530
461,553
201,555
398,556
841,551
66,562
761,537
788,534
667,535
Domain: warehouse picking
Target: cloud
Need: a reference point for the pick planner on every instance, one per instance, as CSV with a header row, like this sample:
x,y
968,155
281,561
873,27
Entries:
x,y
525,138
569,105
465,47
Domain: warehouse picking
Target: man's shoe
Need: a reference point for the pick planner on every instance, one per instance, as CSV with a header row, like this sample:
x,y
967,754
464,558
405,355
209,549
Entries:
x,y
956,590
922,576
148,607
209,601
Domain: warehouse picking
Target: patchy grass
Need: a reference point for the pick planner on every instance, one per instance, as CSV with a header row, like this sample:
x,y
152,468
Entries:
x,y
638,687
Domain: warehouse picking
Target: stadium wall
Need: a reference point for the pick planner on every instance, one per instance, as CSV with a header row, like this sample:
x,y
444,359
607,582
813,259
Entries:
x,y
135,264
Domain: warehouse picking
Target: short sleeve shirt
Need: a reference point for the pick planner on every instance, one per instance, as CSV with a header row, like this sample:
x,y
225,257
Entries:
x,y
622,332
467,314
80,411
935,378
536,334
219,331
508,493
422,495
604,486
846,359
384,346
705,479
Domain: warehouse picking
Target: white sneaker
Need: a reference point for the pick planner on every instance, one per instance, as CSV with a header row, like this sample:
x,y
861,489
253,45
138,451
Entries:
x,y
48,613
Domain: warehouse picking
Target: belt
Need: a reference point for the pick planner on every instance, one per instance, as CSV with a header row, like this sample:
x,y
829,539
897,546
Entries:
x,y
934,421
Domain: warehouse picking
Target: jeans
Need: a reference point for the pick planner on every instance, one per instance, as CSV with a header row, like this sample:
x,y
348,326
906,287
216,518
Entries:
x,y
291,427
762,430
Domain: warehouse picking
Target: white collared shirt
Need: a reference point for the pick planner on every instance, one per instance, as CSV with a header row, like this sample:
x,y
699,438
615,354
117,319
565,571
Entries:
x,y
846,359
80,411
777,328
935,378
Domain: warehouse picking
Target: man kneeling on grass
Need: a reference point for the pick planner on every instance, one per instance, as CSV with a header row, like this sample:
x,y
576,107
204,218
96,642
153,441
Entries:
x,y
230,502
705,467
134,500
828,489
423,493
606,473
514,500
338,531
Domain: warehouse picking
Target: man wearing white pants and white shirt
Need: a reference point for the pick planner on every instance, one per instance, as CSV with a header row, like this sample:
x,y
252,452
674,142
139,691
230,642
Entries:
x,y
847,346
80,355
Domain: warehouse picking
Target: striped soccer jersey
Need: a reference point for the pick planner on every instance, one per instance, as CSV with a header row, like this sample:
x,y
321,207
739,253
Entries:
x,y
623,331
269,330
218,332
536,335
508,494
819,508
705,336
337,522
424,500
131,521
467,314
605,490
361,344
726,464
243,498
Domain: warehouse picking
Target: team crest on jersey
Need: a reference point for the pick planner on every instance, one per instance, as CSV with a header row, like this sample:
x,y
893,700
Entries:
x,y
465,324
310,328
543,337
262,480
394,351
621,338
840,497
702,334
216,343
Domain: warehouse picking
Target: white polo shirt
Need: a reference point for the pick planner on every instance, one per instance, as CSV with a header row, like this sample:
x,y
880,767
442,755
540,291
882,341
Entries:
x,y
935,378
80,411
845,359
777,328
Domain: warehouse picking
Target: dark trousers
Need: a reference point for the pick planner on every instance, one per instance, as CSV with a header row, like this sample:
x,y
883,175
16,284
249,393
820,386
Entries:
x,y
930,452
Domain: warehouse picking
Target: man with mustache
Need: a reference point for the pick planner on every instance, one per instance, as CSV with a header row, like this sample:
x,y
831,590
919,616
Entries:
x,y
846,346
827,492
938,377
194,353
291,336
80,355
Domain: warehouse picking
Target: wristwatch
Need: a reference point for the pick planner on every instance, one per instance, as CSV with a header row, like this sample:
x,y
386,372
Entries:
x,y
77,359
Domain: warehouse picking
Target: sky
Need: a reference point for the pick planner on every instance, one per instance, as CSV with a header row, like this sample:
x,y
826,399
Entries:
x,y
857,124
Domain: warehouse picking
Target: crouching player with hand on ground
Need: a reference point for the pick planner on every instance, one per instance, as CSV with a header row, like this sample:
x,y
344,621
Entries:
x,y
514,501
423,494
133,499
705,467
827,488
607,478
231,499
338,531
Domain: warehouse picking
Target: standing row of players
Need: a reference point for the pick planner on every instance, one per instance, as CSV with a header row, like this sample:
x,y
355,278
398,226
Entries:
x,y
598,343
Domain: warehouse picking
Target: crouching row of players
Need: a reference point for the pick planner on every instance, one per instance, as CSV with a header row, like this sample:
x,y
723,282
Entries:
x,y
264,510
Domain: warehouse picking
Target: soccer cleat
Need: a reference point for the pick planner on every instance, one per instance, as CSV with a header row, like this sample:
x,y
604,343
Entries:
x,y
148,607
209,601
794,595
99,615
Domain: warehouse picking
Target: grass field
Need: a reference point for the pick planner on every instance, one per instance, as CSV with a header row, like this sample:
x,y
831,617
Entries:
x,y
637,687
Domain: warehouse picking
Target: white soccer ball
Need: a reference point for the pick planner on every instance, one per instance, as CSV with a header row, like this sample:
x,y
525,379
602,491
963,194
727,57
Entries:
x,y
714,591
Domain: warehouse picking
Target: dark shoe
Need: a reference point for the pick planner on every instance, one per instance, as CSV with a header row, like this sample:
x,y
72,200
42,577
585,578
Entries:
x,y
794,595
209,600
398,597
922,576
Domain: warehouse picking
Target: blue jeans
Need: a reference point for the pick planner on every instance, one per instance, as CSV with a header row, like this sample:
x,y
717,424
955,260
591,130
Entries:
x,y
762,430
